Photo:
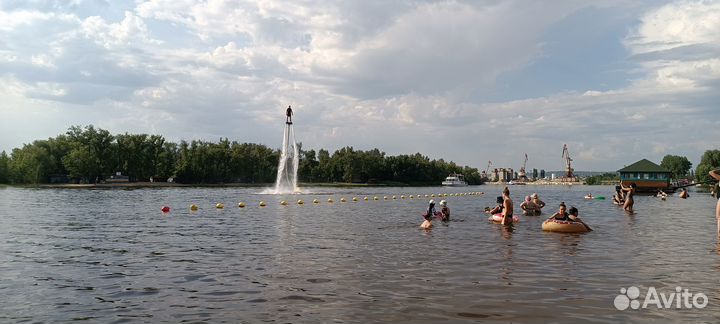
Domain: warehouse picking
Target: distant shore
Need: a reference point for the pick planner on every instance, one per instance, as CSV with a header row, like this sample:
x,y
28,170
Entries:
x,y
132,185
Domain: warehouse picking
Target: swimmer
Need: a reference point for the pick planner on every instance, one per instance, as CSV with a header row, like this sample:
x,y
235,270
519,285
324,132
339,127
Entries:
x,y
684,193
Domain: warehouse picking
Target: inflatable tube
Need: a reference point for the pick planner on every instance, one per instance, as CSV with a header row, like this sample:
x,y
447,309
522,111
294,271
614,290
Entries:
x,y
497,218
600,197
553,225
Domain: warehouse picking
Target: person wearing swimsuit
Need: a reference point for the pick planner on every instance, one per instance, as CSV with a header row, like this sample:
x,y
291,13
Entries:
x,y
507,208
629,201
529,208
539,203
561,214
716,175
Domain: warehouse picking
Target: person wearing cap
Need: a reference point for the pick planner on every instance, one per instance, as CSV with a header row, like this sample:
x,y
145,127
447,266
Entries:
x,y
429,215
529,207
445,210
538,203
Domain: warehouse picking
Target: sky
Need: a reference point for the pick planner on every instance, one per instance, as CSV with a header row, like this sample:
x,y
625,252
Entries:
x,y
466,81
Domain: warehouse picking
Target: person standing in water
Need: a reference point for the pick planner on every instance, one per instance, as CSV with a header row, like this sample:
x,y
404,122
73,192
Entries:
x,y
716,174
630,192
429,215
529,208
507,208
288,115
618,198
445,210
538,203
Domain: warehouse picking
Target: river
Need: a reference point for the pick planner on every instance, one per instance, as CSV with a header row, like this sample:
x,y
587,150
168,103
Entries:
x,y
111,256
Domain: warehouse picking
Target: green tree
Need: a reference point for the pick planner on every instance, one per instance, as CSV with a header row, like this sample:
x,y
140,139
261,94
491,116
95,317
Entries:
x,y
598,179
4,168
30,164
678,165
710,160
98,144
80,162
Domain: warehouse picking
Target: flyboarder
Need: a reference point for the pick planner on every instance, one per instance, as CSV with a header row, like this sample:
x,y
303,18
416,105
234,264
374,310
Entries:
x,y
288,114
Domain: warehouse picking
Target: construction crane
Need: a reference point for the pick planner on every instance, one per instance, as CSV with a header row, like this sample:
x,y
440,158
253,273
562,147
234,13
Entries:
x,y
521,174
485,174
568,166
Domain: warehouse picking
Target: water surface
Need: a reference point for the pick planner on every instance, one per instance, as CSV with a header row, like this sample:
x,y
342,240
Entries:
x,y
111,256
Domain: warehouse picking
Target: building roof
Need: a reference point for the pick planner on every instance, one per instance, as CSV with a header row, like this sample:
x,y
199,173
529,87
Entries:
x,y
644,165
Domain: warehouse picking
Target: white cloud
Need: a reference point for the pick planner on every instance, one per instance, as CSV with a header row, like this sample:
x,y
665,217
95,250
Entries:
x,y
403,76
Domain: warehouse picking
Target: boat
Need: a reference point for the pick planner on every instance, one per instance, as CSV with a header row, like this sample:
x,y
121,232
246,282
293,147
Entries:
x,y
455,180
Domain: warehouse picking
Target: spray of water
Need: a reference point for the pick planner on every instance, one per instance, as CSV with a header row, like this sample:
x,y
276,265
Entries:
x,y
286,181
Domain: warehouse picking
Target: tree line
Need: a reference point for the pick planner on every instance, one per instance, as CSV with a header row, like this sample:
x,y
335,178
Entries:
x,y
90,155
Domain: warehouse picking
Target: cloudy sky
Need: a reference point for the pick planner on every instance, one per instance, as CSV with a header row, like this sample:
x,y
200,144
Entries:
x,y
468,81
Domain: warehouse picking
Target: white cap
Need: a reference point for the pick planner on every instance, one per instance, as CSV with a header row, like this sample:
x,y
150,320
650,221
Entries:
x,y
443,202
432,202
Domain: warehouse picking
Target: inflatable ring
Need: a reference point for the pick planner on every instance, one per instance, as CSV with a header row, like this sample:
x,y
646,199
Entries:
x,y
554,225
497,218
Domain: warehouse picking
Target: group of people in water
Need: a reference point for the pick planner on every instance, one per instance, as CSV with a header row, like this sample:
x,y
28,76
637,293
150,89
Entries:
x,y
443,214
503,212
532,205
624,196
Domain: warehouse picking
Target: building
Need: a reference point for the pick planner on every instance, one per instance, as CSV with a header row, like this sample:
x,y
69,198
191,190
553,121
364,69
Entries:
x,y
117,178
647,176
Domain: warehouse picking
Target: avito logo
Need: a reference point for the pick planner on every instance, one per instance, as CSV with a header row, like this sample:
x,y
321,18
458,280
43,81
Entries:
x,y
680,298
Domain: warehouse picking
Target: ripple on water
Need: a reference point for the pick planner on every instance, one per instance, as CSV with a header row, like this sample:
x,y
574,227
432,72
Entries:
x,y
364,261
